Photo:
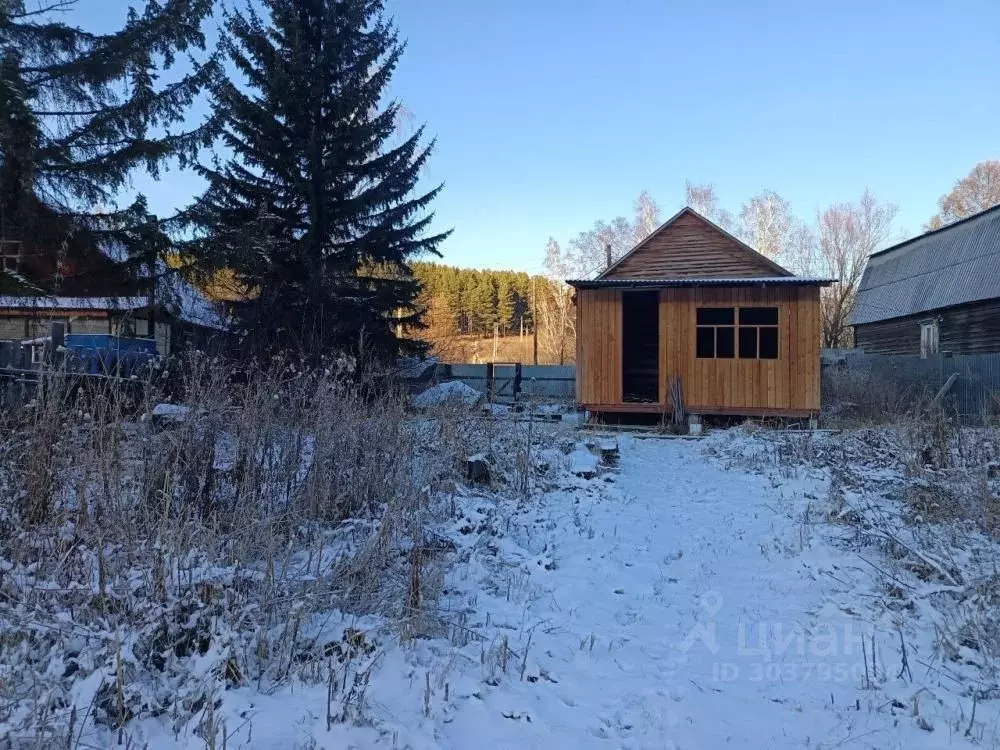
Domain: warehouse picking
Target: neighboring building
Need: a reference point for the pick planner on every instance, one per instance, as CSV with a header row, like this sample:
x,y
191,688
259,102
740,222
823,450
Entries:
x,y
939,292
186,318
692,302
30,317
177,317
84,287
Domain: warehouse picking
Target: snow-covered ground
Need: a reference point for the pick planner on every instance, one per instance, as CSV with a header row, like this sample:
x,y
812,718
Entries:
x,y
677,600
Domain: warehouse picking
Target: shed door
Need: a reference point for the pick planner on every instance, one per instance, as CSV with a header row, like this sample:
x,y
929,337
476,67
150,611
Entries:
x,y
641,347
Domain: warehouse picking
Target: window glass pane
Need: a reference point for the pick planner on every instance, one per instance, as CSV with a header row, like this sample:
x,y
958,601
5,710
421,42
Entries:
x,y
706,342
716,316
768,343
725,343
748,343
758,316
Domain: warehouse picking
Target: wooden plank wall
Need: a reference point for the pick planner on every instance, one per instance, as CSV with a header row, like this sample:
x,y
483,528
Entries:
x,y
690,248
965,329
789,382
598,346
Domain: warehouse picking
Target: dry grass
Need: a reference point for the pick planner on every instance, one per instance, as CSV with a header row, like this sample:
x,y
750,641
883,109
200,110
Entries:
x,y
130,545
919,501
854,399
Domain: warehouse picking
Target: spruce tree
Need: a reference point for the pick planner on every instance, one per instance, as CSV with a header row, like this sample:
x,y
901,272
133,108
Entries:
x,y
79,113
505,302
317,210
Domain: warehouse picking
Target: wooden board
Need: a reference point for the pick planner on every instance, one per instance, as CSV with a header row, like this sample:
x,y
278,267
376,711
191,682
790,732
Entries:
x,y
599,351
691,248
699,409
789,382
788,385
964,329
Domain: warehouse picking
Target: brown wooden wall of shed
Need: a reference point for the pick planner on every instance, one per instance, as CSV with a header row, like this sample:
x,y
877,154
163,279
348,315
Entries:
x,y
964,329
690,248
598,346
789,383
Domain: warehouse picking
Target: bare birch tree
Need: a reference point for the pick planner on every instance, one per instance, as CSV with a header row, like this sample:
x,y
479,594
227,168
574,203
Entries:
x,y
844,236
555,308
702,198
765,223
799,254
847,234
977,191
589,250
647,216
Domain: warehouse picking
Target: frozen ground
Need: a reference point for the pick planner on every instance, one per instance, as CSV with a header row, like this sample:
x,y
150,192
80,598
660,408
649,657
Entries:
x,y
676,601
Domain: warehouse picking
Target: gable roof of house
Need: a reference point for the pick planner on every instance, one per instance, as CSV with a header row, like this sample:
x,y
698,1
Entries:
x,y
723,256
954,265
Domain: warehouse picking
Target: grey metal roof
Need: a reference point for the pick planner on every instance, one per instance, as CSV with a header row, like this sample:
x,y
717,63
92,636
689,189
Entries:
x,y
659,283
954,265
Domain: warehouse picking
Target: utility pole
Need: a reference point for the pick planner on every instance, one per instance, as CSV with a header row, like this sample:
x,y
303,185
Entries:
x,y
534,319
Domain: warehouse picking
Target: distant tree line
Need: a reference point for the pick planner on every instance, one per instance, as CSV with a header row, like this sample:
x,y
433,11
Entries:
x,y
466,301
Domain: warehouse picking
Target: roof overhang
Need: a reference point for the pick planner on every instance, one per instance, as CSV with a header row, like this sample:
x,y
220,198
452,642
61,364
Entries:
x,y
10,302
751,281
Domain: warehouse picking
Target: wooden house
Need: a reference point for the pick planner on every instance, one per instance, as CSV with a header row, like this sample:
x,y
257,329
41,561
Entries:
x,y
177,316
88,292
694,304
936,293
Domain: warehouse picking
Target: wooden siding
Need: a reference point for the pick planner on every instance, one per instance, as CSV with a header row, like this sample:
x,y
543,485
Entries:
x,y
598,346
690,248
964,329
788,384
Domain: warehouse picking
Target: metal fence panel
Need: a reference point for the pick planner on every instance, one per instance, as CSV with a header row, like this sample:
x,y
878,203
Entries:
x,y
974,395
545,381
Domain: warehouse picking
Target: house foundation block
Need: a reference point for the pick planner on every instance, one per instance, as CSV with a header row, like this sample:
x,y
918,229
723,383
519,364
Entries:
x,y
694,424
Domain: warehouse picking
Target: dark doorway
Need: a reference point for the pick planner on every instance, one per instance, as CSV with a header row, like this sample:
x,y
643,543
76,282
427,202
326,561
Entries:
x,y
641,347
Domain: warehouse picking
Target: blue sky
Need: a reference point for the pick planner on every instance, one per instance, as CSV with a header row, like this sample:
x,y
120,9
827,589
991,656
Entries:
x,y
551,114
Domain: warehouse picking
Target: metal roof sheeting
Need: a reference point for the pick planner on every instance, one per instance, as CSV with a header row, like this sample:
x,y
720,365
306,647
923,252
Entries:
x,y
659,283
951,266
72,303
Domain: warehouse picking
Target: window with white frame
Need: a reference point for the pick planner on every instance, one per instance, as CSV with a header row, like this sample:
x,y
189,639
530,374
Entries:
x,y
929,338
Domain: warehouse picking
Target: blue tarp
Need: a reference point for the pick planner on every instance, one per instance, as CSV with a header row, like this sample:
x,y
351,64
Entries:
x,y
104,353
107,342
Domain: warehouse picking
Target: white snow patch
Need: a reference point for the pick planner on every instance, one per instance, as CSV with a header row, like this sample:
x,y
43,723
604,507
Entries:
x,y
582,462
452,391
177,412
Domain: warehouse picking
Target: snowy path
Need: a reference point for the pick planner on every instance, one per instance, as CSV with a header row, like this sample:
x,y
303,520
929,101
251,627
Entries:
x,y
684,608
675,603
